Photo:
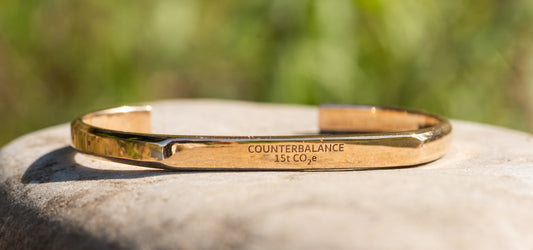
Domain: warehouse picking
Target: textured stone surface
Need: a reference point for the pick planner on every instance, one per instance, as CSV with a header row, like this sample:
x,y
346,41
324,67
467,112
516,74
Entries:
x,y
479,196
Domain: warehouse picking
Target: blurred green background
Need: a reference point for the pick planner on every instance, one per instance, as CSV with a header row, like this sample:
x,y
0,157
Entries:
x,y
464,59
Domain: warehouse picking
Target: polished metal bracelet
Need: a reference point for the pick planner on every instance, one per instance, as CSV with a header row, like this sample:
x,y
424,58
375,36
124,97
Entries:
x,y
350,137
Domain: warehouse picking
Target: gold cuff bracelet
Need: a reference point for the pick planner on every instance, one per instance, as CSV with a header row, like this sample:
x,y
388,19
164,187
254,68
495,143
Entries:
x,y
351,137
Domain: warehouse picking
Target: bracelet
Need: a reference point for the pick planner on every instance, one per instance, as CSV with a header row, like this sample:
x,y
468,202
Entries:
x,y
350,137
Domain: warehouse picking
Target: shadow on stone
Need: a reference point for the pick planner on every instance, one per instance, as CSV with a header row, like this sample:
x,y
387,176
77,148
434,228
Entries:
x,y
59,165
23,227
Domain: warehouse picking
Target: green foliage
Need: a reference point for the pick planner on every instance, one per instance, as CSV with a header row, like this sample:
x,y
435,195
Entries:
x,y
463,59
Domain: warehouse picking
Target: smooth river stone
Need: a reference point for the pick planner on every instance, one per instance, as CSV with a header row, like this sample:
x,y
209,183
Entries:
x,y
478,196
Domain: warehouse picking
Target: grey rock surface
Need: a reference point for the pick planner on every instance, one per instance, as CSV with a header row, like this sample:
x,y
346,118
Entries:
x,y
479,196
